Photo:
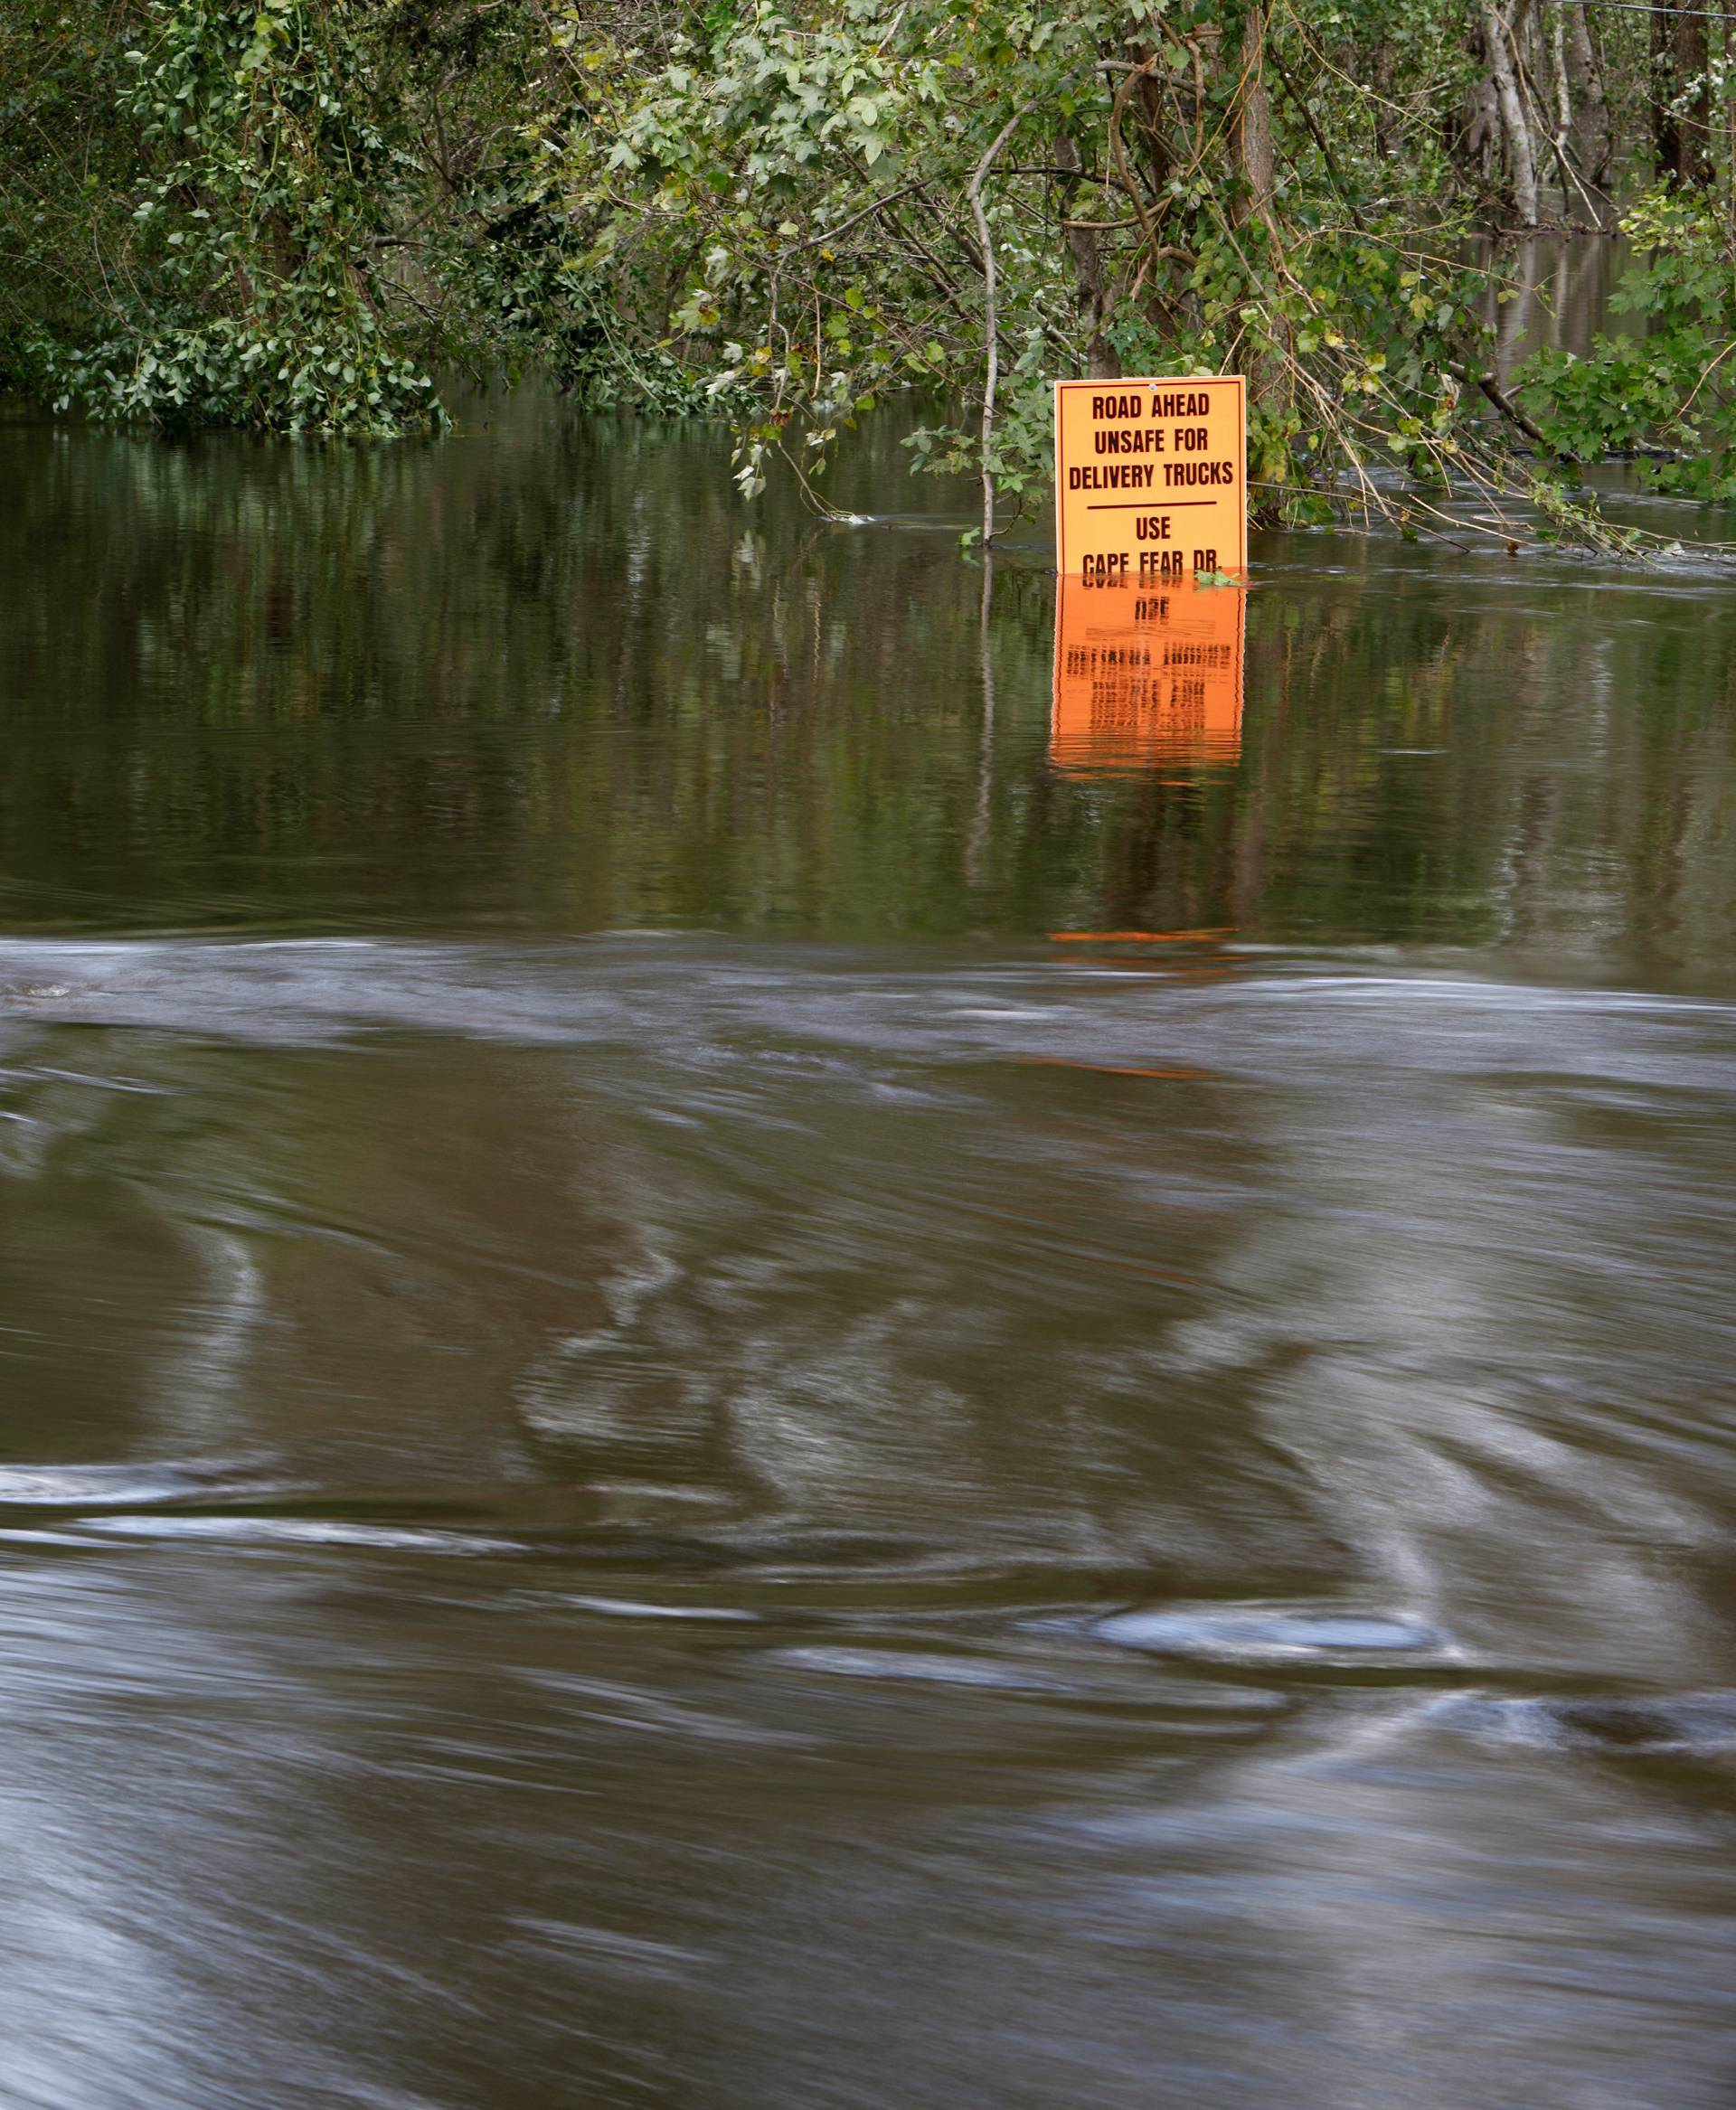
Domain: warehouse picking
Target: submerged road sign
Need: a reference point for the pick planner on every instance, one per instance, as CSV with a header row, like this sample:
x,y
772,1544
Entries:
x,y
1145,675
1151,478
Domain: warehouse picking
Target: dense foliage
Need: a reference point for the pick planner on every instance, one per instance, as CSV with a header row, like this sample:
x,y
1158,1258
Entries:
x,y
252,292
288,213
1666,393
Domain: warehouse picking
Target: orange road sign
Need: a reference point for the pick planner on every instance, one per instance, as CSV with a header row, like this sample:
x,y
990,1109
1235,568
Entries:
x,y
1151,478
1145,675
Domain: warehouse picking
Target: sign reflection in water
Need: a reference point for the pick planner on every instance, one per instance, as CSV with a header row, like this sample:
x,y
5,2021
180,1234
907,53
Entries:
x,y
1145,676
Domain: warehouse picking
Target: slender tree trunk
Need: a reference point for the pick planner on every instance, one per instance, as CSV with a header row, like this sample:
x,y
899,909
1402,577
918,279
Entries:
x,y
1578,197
1479,139
1251,144
1666,132
990,318
1681,97
1101,360
1730,140
1593,140
1498,44
1253,118
1560,79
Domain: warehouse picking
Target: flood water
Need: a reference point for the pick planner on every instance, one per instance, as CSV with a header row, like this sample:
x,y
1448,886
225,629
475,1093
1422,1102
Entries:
x,y
725,1389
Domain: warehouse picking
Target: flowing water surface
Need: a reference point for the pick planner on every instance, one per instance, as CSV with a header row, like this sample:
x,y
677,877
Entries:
x,y
722,1389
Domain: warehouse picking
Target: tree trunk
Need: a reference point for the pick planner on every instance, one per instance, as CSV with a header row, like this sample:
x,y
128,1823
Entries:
x,y
1101,360
1253,118
1268,375
1578,197
1730,141
1498,44
1478,140
991,317
1681,98
1560,80
1594,138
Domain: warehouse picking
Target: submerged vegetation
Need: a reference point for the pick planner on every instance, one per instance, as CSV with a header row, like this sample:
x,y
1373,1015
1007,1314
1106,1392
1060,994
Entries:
x,y
290,214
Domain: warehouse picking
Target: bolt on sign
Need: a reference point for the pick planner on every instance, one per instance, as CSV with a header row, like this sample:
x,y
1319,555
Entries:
x,y
1151,478
1145,675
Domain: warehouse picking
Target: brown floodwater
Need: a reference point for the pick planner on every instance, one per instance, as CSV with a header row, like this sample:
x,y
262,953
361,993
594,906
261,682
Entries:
x,y
747,1365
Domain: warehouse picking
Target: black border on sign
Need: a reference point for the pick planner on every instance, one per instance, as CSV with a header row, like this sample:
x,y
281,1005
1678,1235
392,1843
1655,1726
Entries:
x,y
1149,380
